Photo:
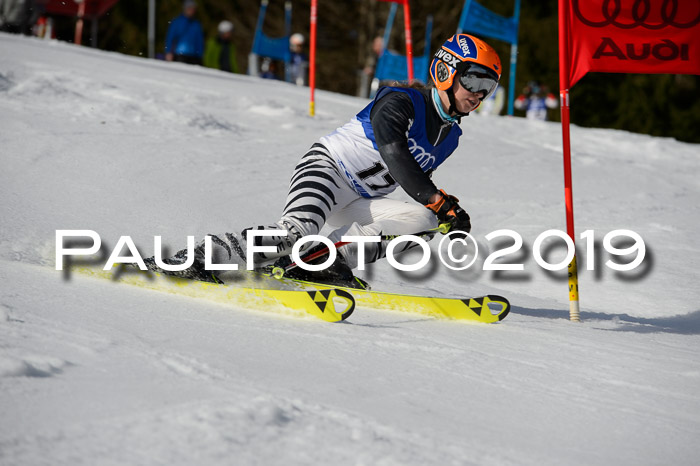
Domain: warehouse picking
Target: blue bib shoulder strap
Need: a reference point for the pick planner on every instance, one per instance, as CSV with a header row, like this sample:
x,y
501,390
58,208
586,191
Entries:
x,y
424,152
416,99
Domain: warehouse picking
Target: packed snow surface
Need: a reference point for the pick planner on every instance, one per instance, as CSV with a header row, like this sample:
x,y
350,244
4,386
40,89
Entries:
x,y
93,372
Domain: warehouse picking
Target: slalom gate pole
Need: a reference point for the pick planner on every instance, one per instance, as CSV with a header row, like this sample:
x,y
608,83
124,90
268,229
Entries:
x,y
409,39
78,39
574,310
151,29
278,272
513,60
312,58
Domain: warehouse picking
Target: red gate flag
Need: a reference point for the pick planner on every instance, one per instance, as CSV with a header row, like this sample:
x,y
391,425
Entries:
x,y
619,36
632,36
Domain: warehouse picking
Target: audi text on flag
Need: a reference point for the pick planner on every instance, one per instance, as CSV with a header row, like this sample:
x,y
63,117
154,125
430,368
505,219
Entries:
x,y
633,36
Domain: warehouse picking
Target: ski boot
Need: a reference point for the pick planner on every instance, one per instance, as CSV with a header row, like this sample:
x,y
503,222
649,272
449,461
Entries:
x,y
195,272
337,274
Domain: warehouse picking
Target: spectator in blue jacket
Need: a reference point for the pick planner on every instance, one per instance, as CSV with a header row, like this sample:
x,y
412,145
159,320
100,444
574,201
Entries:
x,y
185,39
535,100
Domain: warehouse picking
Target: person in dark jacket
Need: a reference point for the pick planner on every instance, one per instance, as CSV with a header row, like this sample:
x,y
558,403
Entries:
x,y
220,52
185,39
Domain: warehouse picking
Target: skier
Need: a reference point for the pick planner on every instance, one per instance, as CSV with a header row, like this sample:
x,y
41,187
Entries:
x,y
344,179
535,100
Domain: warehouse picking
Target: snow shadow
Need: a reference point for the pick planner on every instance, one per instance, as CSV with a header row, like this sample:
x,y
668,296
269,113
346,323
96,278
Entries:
x,y
5,82
207,122
31,366
686,324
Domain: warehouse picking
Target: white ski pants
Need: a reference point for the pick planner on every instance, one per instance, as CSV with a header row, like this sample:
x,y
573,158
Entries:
x,y
320,194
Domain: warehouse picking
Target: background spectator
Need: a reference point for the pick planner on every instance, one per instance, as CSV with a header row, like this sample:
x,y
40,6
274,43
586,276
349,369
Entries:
x,y
298,62
367,88
268,69
535,100
185,39
44,28
220,52
18,16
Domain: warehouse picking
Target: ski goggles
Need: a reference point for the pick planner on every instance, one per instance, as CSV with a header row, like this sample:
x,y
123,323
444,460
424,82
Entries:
x,y
475,80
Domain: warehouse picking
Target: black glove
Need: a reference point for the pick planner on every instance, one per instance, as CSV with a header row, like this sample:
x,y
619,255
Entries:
x,y
448,212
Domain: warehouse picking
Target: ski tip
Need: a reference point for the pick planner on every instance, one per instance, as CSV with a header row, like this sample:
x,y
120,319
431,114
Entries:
x,y
349,301
505,310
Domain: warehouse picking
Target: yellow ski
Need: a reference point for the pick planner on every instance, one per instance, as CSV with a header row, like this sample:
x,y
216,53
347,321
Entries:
x,y
330,305
485,309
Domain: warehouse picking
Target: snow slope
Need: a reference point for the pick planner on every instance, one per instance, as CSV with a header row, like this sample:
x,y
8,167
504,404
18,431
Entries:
x,y
97,373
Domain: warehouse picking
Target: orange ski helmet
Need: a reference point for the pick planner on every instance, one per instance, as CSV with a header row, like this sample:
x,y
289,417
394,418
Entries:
x,y
473,61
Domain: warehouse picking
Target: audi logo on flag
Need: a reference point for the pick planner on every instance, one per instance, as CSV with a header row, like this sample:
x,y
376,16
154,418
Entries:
x,y
631,36
648,14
